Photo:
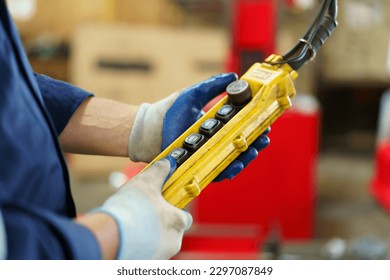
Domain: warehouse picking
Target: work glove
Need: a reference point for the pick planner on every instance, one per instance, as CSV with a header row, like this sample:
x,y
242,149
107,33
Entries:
x,y
149,227
157,125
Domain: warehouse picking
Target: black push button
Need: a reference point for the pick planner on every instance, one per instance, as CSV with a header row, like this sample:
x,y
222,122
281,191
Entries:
x,y
210,126
225,113
180,154
239,93
194,142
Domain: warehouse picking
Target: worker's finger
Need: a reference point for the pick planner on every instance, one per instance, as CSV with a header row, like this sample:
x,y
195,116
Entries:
x,y
243,159
231,171
261,142
187,218
207,90
158,173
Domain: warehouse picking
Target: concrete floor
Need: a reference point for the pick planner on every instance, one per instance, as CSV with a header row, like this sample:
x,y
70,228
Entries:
x,y
345,206
347,216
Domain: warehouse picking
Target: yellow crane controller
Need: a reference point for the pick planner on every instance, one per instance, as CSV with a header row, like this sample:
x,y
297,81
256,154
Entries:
x,y
251,105
228,128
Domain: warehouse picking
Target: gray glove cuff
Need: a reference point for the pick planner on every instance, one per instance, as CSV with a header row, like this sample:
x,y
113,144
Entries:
x,y
3,239
146,135
149,227
146,132
133,229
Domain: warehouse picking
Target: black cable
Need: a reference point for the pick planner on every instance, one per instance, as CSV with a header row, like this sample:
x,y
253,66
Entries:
x,y
311,31
327,26
313,40
320,29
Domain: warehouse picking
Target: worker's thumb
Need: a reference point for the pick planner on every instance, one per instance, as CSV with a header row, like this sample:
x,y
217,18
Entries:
x,y
158,173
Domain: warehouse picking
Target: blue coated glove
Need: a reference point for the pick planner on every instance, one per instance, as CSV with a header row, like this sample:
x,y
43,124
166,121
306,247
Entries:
x,y
245,158
157,125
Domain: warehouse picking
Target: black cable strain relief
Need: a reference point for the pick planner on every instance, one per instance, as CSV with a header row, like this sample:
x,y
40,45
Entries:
x,y
324,31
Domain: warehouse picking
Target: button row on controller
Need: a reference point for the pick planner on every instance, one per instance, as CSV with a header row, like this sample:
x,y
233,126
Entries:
x,y
239,95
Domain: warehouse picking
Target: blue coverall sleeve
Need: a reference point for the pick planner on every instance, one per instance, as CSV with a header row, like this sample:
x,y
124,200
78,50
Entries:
x,y
61,99
36,205
36,233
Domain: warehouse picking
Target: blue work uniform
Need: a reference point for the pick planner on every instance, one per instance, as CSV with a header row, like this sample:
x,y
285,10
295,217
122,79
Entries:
x,y
35,198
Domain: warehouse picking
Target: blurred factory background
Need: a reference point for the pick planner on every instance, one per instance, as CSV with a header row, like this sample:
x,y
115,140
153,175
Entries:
x,y
320,191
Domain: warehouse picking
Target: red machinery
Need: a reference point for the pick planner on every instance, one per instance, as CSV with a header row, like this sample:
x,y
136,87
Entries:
x,y
253,36
380,183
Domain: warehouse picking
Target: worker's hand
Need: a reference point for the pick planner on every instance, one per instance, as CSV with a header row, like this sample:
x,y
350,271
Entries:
x,y
149,227
157,125
245,158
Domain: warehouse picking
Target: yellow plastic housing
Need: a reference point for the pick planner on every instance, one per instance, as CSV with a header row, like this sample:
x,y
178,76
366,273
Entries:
x,y
272,89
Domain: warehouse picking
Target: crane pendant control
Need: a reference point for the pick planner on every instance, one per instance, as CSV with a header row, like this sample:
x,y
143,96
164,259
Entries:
x,y
251,105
